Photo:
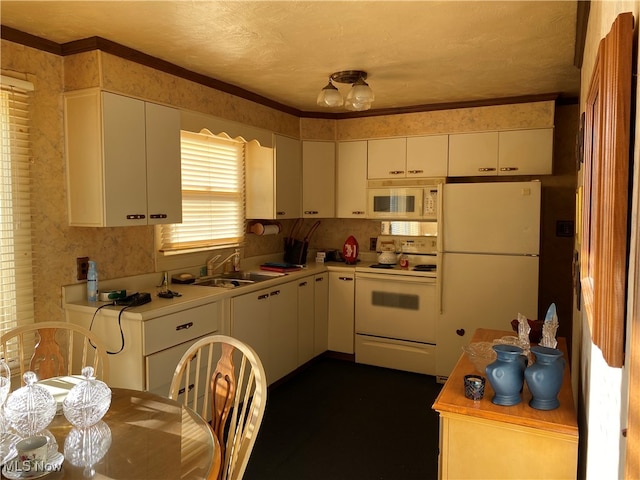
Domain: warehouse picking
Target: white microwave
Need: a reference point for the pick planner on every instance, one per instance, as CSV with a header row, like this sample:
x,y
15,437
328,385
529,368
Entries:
x,y
403,203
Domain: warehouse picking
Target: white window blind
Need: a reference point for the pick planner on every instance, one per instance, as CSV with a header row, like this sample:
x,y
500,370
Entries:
x,y
212,194
16,265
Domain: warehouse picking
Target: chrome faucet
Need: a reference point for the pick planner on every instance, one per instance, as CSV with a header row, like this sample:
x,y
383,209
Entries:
x,y
212,266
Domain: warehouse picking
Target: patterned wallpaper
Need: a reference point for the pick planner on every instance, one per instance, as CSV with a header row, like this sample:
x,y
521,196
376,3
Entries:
x,y
129,251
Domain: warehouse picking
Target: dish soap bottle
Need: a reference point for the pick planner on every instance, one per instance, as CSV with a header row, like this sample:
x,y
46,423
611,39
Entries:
x,y
92,282
236,260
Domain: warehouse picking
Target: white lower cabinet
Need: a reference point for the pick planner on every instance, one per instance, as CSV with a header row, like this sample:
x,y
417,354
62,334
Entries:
x,y
313,315
321,313
341,312
306,319
267,320
146,353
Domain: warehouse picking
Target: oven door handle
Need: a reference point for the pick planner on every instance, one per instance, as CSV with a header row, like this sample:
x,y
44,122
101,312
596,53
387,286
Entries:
x,y
391,277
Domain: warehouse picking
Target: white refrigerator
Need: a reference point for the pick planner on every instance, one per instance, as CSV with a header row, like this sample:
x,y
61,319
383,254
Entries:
x,y
489,261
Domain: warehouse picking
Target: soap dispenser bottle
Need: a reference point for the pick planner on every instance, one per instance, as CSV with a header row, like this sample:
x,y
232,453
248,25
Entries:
x,y
92,282
236,260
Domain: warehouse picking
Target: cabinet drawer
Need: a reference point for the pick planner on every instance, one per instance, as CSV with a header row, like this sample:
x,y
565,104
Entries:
x,y
160,367
165,332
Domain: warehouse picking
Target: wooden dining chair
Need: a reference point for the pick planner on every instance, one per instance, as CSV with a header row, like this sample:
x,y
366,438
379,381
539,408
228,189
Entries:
x,y
54,349
223,380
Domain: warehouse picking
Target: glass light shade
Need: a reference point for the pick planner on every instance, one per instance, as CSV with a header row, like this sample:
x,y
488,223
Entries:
x,y
361,93
330,96
357,106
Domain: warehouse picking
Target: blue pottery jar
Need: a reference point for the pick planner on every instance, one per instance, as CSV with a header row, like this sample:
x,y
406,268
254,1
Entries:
x,y
544,378
506,374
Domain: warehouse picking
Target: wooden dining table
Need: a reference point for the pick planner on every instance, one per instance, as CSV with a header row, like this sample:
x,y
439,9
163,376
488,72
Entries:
x,y
143,436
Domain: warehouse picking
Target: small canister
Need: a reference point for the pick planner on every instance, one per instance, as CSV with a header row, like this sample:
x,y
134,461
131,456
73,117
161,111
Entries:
x,y
404,261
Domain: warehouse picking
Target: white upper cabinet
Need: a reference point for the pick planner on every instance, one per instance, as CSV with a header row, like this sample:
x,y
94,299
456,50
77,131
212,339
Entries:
x,y
411,157
123,161
273,179
427,156
473,154
318,179
164,184
352,180
514,152
288,157
387,158
526,152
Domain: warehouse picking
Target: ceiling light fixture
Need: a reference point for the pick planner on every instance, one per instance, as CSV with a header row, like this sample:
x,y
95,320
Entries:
x,y
359,97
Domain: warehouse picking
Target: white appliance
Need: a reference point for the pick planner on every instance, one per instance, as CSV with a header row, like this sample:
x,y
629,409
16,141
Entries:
x,y
403,203
489,272
396,308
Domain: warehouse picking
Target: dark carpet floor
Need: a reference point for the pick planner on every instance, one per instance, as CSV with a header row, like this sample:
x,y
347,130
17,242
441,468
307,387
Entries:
x,y
339,420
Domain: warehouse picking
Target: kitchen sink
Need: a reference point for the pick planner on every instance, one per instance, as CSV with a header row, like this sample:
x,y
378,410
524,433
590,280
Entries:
x,y
232,280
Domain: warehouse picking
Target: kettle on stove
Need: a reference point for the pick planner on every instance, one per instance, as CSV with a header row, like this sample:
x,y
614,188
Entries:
x,y
387,255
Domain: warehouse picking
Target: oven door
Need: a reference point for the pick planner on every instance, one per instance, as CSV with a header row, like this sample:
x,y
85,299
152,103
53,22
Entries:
x,y
396,307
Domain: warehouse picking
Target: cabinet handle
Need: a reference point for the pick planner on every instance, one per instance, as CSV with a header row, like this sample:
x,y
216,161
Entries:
x,y
460,332
136,216
396,172
184,326
416,171
281,213
310,212
262,297
487,169
319,279
181,391
508,169
158,215
346,278
357,212
302,284
275,292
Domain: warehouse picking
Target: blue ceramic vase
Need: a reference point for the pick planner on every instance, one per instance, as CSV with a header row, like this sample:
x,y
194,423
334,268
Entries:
x,y
506,374
544,378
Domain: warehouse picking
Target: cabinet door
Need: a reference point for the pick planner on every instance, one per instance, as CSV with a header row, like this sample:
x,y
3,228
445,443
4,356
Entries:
x,y
288,177
250,323
164,185
526,152
318,179
321,313
341,312
473,154
352,180
283,329
125,170
427,156
306,319
260,201
387,158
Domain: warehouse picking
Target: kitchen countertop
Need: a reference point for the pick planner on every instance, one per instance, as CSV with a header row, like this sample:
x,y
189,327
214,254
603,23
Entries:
x,y
451,399
74,296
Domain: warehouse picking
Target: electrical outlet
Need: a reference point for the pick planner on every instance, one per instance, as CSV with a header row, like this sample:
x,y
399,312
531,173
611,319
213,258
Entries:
x,y
82,267
372,243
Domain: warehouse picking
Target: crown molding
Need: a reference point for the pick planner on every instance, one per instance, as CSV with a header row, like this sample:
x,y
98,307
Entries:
x,y
116,49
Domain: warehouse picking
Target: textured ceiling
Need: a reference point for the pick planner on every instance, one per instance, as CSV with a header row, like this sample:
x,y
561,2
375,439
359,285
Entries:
x,y
415,52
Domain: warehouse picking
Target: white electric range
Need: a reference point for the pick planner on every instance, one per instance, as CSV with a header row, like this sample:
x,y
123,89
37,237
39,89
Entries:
x,y
397,306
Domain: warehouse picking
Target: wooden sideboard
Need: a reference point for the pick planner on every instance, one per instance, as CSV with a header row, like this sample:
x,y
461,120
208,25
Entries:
x,y
481,440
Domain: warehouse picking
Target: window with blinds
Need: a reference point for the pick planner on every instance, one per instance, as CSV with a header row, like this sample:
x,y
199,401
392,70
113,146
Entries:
x,y
212,194
16,287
